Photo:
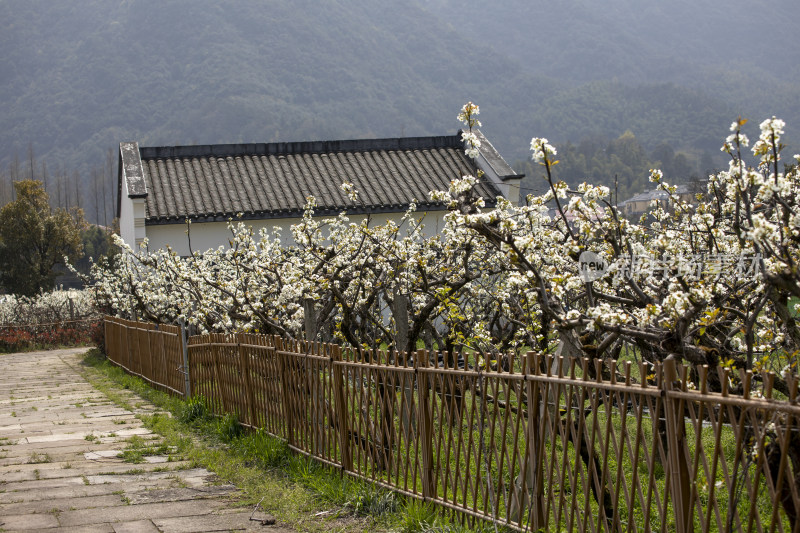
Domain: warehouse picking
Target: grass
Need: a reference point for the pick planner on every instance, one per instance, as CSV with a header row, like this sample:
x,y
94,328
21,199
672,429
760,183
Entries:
x,y
298,491
138,448
36,458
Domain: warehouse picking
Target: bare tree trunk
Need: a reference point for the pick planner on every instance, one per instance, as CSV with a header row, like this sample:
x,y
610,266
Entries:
x,y
114,192
31,162
4,196
96,176
309,319
59,186
108,180
44,175
76,181
14,168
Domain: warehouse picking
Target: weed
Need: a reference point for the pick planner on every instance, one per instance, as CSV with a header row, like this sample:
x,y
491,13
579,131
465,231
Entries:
x,y
178,481
194,410
263,449
39,458
37,474
370,500
228,428
66,466
419,517
138,448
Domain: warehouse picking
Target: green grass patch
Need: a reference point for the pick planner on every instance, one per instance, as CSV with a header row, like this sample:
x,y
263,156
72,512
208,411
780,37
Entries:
x,y
295,489
138,448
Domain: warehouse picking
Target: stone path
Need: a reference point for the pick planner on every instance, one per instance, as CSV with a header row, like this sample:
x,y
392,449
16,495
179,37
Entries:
x,y
59,467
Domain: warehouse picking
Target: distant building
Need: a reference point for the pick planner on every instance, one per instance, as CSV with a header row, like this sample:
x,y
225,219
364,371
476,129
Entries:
x,y
641,203
267,184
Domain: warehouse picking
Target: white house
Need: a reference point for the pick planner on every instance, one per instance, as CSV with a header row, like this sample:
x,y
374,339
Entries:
x,y
639,204
267,184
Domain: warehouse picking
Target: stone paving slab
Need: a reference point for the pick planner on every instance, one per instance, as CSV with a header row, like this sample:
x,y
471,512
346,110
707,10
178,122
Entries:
x,y
224,522
60,469
136,526
127,513
98,528
27,522
64,504
87,491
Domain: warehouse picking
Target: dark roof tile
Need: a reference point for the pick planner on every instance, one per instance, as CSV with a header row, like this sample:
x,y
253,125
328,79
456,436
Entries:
x,y
217,182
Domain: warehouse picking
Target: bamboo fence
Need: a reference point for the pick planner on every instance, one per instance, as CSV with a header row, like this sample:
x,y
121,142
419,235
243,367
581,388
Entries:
x,y
535,443
150,351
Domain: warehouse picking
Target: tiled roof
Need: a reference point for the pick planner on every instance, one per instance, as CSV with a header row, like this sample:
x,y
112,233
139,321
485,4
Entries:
x,y
655,194
215,182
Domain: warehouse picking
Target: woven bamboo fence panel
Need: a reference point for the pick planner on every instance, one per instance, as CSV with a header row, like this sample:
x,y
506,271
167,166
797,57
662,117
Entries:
x,y
532,443
152,352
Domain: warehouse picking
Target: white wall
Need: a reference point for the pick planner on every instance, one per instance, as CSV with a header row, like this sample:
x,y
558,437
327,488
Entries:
x,y
205,235
131,218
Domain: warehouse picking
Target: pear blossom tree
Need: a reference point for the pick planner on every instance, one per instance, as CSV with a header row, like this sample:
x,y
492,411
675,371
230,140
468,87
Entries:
x,y
713,282
709,283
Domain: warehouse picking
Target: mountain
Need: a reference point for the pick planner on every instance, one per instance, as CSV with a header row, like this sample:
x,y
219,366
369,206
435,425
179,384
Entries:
x,y
630,60
78,77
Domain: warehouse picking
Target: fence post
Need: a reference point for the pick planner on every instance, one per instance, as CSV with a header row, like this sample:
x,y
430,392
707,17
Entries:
x,y
151,336
187,386
109,348
680,487
535,478
162,371
283,357
129,345
425,426
244,360
215,357
341,408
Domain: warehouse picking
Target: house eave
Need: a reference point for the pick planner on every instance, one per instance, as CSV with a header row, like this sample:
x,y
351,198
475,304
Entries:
x,y
294,214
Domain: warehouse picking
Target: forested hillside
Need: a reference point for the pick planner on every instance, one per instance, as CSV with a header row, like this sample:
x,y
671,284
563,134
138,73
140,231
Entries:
x,y
78,77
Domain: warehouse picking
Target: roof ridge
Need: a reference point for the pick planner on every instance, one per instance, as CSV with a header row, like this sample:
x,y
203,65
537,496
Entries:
x,y
301,147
